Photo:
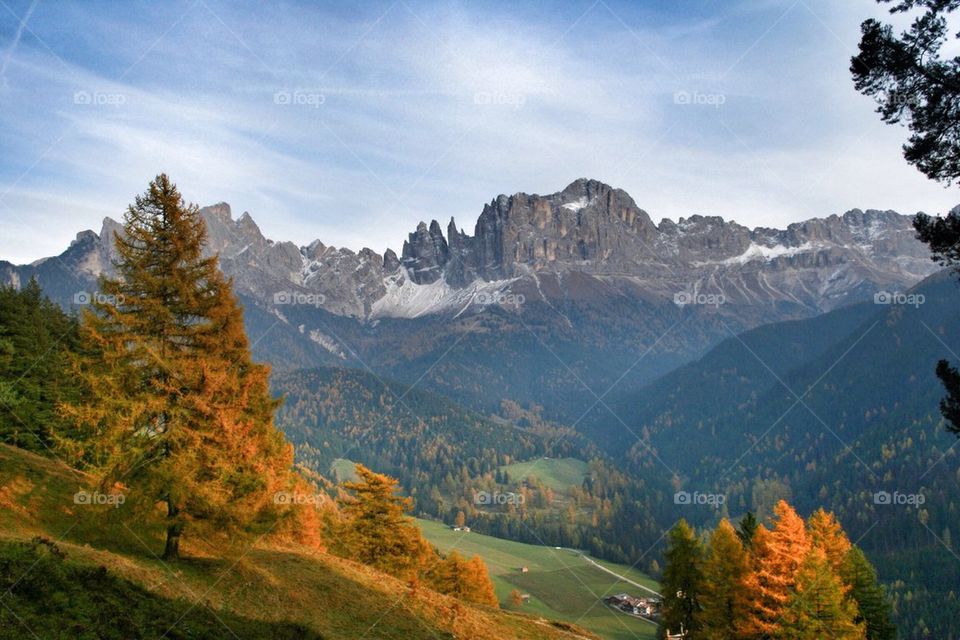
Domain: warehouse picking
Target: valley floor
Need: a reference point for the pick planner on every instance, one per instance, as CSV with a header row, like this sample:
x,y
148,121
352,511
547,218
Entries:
x,y
563,584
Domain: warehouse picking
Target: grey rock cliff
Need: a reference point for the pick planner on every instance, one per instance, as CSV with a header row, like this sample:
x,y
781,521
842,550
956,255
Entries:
x,y
539,243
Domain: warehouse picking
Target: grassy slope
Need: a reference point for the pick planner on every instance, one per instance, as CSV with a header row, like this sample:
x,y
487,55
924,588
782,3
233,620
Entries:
x,y
344,470
269,582
557,473
562,585
43,590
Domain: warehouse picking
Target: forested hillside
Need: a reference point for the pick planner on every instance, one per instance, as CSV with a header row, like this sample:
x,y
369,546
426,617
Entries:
x,y
839,412
448,458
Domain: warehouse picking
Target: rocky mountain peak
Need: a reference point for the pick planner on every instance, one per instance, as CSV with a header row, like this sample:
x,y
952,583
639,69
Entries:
x,y
425,253
220,210
585,188
587,231
587,223
454,235
314,250
390,262
84,237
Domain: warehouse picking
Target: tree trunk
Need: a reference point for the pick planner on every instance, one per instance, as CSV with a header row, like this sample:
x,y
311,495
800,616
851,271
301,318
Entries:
x,y
172,549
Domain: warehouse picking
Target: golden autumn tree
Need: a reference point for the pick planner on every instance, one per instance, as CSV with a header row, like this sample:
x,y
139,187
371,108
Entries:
x,y
176,412
466,580
794,581
777,555
818,607
723,598
827,534
374,529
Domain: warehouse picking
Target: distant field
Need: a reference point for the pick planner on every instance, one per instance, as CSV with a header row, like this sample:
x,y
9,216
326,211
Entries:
x,y
557,473
562,585
343,469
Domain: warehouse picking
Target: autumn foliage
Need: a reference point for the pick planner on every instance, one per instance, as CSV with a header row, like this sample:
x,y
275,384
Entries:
x,y
373,529
793,580
173,413
174,410
777,555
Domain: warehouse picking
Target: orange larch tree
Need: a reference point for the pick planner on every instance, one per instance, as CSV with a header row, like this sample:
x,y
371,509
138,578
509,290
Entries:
x,y
777,555
175,410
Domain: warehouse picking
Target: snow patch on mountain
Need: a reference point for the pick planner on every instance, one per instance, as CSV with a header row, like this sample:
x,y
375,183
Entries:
x,y
407,299
576,206
760,252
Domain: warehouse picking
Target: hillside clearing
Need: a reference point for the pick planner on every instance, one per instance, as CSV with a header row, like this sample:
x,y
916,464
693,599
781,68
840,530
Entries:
x,y
562,583
557,473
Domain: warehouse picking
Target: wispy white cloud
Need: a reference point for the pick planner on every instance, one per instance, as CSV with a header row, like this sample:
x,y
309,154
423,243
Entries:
x,y
407,111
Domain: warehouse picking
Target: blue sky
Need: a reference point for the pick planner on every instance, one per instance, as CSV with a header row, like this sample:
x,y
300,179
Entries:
x,y
351,122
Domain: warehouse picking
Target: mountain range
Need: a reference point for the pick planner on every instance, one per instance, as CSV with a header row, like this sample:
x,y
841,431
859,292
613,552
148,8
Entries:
x,y
556,247
577,285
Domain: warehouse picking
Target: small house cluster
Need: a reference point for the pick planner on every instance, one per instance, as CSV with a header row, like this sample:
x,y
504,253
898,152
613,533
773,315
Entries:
x,y
646,607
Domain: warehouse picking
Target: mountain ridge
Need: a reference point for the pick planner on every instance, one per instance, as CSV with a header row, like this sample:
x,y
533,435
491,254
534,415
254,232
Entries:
x,y
549,292
588,227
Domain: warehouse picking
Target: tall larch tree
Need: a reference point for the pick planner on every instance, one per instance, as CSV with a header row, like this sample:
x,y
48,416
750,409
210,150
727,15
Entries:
x,y
177,412
817,607
724,598
682,582
776,558
826,533
480,587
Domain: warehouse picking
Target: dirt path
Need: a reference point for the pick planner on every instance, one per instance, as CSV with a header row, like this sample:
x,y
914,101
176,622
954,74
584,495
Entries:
x,y
617,575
